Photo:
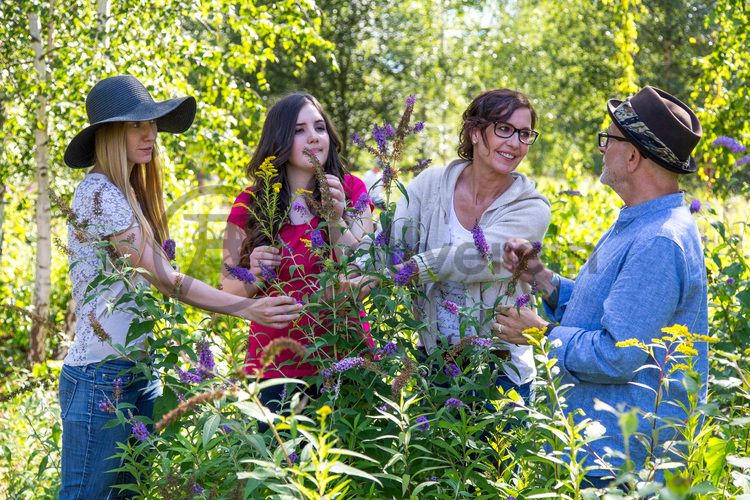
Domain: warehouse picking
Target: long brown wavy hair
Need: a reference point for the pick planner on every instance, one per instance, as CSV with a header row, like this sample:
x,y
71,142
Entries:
x,y
277,139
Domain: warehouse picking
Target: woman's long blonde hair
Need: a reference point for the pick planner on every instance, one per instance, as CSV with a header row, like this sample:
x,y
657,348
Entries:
x,y
143,188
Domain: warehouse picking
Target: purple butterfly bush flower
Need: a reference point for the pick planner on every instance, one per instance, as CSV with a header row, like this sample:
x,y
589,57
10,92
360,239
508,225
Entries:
x,y
240,273
140,431
454,403
381,137
389,130
482,342
293,457
382,239
403,276
423,423
480,242
729,281
189,377
523,300
299,207
452,370
433,479
695,206
450,306
389,349
411,100
198,489
169,246
397,256
742,161
117,391
316,239
418,127
388,174
106,406
536,246
356,139
383,408
348,363
362,203
205,358
268,273
730,143
571,192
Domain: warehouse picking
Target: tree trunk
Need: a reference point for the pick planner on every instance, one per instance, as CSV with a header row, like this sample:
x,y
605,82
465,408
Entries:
x,y
42,284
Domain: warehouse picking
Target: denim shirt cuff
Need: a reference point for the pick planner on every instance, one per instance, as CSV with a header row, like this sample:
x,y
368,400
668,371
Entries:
x,y
562,335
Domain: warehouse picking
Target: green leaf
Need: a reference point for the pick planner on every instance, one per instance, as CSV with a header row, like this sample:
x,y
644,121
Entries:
x,y
209,428
340,468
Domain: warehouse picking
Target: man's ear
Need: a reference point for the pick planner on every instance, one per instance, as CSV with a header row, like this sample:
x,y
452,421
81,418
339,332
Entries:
x,y
635,159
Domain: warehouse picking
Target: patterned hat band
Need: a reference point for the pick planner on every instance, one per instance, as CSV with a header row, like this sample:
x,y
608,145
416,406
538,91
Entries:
x,y
629,119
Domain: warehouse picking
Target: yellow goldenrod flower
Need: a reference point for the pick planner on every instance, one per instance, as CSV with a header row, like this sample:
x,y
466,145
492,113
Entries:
x,y
697,337
276,187
676,331
679,367
267,170
687,349
324,411
534,335
631,343
306,242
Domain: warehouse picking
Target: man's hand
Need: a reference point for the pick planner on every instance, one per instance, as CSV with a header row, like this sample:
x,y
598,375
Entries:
x,y
515,251
510,322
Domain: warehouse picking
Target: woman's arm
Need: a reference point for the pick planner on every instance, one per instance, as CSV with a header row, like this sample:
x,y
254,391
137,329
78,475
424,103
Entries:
x,y
276,312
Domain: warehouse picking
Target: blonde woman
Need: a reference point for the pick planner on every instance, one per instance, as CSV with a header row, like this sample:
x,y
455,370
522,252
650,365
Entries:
x,y
121,200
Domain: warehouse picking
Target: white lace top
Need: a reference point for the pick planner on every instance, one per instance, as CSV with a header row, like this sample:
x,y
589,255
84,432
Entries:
x,y
103,209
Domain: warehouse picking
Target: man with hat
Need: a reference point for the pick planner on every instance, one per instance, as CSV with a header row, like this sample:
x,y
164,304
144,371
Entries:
x,y
646,273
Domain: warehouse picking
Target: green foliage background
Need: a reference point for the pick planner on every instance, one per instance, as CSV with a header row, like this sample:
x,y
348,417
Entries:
x,y
360,59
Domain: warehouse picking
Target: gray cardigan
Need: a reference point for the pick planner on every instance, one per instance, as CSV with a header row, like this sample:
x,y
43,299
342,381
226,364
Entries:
x,y
422,222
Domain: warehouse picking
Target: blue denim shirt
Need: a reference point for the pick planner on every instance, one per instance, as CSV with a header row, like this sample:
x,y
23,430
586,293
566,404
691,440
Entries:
x,y
646,272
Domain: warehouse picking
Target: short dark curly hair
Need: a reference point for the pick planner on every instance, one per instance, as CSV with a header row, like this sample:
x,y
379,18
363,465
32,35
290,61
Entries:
x,y
491,106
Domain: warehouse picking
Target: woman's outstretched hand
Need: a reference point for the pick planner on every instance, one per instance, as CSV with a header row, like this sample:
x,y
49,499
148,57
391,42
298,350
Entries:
x,y
276,312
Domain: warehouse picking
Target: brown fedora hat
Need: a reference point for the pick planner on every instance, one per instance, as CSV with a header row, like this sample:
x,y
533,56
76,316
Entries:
x,y
661,126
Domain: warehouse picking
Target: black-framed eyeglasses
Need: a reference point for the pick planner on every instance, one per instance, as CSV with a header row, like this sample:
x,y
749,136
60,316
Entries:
x,y
506,131
605,137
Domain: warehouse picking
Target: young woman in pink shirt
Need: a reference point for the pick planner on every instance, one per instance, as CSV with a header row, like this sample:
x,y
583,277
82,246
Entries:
x,y
295,128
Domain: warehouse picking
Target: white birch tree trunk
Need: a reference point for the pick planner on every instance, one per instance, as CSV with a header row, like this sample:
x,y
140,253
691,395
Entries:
x,y
42,283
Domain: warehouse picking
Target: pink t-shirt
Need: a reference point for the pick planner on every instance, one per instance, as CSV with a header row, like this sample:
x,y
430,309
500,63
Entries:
x,y
297,271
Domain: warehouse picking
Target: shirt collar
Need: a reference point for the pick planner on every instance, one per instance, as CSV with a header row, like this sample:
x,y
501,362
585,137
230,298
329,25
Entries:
x,y
669,201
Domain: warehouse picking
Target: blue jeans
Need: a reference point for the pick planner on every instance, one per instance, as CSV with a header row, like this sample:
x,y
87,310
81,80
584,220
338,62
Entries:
x,y
87,448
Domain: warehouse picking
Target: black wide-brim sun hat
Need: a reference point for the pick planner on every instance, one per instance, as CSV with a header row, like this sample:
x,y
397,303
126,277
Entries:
x,y
125,99
660,126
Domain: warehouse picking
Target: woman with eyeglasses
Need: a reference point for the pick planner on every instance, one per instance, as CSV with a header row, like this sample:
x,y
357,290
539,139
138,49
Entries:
x,y
457,219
